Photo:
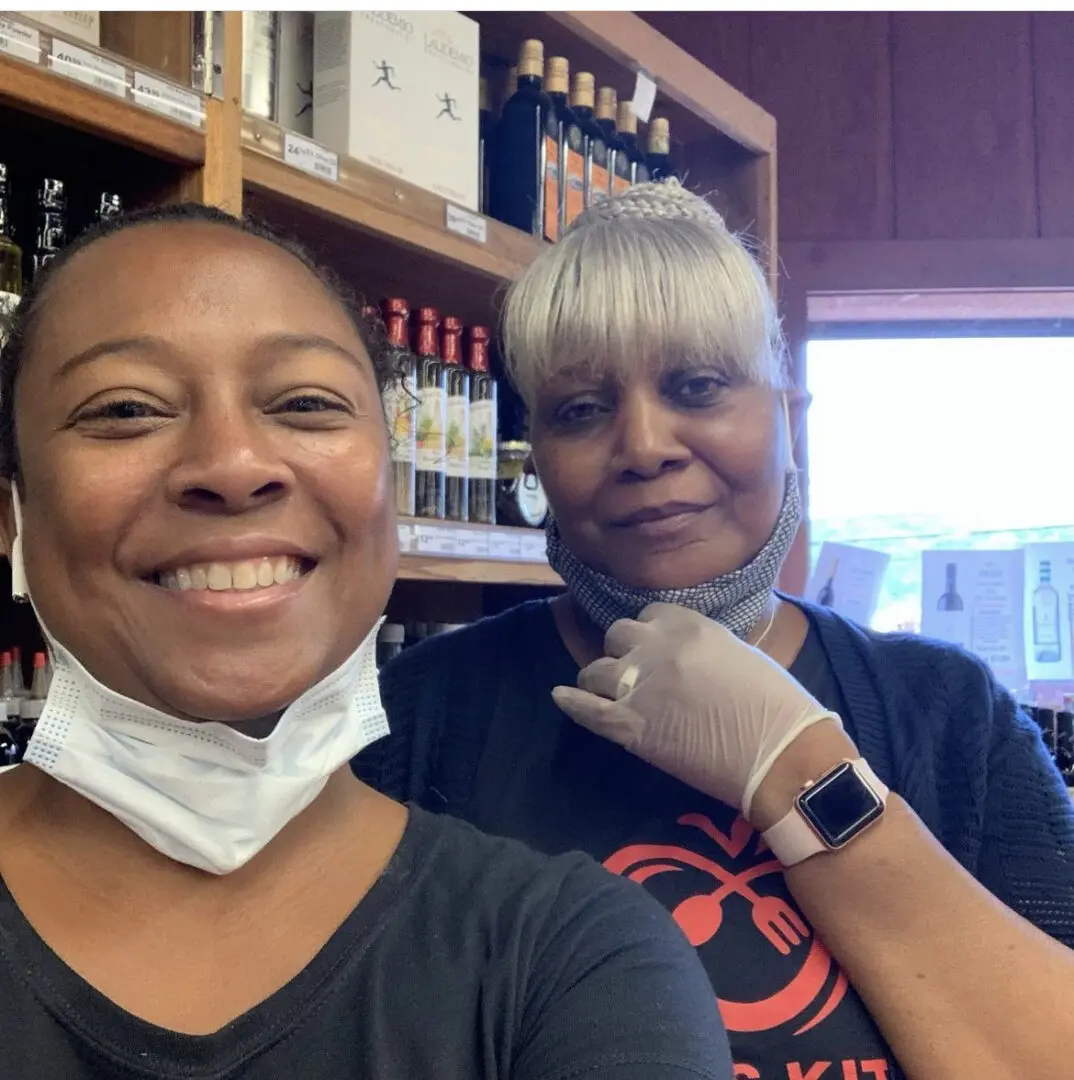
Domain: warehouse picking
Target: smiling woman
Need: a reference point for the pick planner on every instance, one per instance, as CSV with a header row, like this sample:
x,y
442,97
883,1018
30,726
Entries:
x,y
197,504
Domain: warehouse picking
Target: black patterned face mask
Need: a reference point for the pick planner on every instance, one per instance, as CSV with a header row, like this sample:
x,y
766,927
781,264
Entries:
x,y
735,600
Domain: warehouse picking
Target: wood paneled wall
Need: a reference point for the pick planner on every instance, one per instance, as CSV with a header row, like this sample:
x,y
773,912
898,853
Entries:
x,y
906,126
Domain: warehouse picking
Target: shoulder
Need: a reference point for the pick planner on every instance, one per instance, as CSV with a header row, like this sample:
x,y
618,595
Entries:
x,y
604,974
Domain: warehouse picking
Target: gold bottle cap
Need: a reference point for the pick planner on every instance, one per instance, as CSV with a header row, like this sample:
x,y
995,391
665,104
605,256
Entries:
x,y
531,58
659,135
625,119
510,83
583,94
606,103
482,93
557,75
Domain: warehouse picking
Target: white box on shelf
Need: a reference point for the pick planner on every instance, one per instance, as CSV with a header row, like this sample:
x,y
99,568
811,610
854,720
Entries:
x,y
399,91
80,25
294,52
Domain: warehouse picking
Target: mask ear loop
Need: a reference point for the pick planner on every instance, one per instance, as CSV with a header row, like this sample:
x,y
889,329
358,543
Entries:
x,y
20,587
792,465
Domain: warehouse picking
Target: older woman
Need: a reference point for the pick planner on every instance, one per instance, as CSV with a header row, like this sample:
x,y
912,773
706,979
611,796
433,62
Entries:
x,y
849,930
192,882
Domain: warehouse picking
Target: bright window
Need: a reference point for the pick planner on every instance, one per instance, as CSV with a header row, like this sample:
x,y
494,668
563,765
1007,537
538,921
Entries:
x,y
940,442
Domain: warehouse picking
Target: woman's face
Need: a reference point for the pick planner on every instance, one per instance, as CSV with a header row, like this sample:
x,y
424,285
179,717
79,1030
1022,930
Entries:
x,y
661,479
205,467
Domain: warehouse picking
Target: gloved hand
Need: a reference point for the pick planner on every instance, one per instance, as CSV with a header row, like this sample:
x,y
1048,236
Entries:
x,y
686,695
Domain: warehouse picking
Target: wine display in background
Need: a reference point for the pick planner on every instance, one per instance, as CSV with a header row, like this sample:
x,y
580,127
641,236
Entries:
x,y
432,406
400,404
457,434
10,253
658,158
516,195
950,600
826,596
595,149
485,137
50,223
484,427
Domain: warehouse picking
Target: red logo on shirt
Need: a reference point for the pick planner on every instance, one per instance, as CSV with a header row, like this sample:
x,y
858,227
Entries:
x,y
703,916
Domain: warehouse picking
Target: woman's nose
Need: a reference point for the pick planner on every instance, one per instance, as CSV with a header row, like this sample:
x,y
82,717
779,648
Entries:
x,y
647,443
229,467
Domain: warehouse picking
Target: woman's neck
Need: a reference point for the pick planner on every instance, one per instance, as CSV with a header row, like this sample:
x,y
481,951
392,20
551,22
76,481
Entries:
x,y
780,631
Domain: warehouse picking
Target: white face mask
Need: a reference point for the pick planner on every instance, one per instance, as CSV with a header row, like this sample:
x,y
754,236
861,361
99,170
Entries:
x,y
200,793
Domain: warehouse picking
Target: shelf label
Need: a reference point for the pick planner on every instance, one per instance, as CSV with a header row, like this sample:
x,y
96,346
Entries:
x,y
310,157
466,223
431,540
171,101
644,95
534,547
504,545
406,539
88,68
23,42
472,543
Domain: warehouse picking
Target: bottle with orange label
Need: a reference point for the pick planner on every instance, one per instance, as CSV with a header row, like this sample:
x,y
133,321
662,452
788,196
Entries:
x,y
560,119
572,156
516,185
633,161
595,151
607,105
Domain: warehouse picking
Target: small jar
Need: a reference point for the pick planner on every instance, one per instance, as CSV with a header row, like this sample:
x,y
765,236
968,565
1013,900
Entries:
x,y
520,498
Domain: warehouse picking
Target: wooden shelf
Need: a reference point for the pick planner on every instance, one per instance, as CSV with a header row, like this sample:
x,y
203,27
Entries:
x,y
452,551
44,93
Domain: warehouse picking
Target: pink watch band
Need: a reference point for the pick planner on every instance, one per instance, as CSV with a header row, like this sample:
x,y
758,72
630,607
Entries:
x,y
792,839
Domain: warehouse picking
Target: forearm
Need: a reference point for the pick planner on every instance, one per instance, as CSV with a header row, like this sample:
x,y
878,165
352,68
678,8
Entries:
x,y
958,983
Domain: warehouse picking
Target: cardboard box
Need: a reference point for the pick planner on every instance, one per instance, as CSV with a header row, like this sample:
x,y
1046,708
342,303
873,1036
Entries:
x,y
77,25
294,95
399,91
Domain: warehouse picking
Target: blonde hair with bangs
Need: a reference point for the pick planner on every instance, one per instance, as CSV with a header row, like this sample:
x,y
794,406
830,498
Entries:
x,y
652,276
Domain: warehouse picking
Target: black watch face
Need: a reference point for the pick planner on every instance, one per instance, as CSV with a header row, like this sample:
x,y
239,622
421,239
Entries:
x,y
839,806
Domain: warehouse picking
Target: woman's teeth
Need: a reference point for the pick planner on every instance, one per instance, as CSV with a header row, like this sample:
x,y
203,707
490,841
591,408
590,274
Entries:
x,y
221,577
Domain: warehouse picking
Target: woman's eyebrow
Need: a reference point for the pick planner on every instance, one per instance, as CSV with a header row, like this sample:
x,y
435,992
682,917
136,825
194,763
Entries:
x,y
298,342
110,348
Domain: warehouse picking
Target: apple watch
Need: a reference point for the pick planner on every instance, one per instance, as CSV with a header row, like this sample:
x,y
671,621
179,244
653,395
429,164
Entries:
x,y
829,813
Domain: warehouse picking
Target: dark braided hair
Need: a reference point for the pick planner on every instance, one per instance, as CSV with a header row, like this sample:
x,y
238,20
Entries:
x,y
18,329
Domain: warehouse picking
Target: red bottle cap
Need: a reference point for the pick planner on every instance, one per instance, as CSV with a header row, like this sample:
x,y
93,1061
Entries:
x,y
5,658
39,659
428,319
478,359
451,340
396,313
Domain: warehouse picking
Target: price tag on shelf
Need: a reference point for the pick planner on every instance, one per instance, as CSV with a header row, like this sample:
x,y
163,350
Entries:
x,y
472,543
644,96
534,547
466,223
22,42
503,545
169,100
88,68
406,539
310,157
435,540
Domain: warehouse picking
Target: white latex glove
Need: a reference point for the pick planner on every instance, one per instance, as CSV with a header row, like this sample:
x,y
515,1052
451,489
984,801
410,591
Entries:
x,y
686,695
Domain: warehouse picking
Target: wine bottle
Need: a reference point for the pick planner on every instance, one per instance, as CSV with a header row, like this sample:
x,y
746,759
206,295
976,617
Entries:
x,y
516,193
1046,643
950,600
595,151
10,255
483,433
826,596
658,157
109,205
627,129
432,405
557,128
457,436
607,105
51,225
400,405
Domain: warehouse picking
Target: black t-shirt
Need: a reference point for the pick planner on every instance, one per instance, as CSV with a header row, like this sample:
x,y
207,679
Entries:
x,y
512,764
471,958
